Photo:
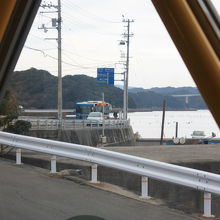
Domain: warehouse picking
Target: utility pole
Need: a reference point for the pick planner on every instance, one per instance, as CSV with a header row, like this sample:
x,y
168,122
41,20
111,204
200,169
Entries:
x,y
60,93
126,35
124,97
163,120
176,133
56,24
103,114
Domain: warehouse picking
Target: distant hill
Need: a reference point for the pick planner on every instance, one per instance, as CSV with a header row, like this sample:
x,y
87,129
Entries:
x,y
166,90
155,95
175,91
38,89
136,90
154,100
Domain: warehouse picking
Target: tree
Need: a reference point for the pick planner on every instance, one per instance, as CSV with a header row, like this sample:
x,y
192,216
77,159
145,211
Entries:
x,y
9,109
8,105
19,127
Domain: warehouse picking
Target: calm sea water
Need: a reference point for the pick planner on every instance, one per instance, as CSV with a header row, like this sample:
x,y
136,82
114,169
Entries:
x,y
148,124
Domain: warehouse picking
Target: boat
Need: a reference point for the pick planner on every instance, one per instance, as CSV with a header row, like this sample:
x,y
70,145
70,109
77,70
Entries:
x,y
198,134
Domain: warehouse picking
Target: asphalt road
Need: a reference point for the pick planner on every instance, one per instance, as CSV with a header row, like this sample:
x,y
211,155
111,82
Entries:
x,y
28,192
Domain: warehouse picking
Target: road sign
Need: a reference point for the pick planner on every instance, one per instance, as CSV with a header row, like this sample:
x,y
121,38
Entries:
x,y
105,76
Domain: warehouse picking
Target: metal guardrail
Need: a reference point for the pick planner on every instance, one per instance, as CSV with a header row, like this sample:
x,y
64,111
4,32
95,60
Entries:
x,y
196,179
50,124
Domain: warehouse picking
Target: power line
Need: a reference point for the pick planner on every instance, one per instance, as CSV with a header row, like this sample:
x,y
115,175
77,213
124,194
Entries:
x,y
97,61
77,22
67,63
70,52
89,14
69,16
67,56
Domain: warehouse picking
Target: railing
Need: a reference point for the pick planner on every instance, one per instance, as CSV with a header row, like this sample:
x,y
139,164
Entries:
x,y
51,124
196,179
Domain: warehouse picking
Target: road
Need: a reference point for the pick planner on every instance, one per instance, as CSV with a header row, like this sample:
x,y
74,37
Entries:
x,y
27,192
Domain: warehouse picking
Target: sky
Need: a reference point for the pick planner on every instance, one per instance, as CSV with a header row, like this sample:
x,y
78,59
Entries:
x,y
91,32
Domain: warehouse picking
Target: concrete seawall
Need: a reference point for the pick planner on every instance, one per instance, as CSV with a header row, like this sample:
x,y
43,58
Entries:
x,y
88,136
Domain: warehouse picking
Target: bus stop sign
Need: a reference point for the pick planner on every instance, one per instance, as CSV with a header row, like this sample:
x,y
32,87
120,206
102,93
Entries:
x,y
105,76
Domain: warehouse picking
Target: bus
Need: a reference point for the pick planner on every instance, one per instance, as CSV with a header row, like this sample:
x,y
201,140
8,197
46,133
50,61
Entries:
x,y
84,108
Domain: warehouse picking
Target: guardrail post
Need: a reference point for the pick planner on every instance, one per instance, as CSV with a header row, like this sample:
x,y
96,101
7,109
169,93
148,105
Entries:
x,y
53,163
208,205
18,156
144,187
94,173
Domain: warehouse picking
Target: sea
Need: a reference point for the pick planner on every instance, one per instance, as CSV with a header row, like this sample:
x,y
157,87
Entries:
x,y
148,124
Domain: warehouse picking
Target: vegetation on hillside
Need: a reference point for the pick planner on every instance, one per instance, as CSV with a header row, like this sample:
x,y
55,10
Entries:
x,y
38,89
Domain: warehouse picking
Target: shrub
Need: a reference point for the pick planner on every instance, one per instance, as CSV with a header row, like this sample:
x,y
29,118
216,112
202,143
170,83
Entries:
x,y
19,127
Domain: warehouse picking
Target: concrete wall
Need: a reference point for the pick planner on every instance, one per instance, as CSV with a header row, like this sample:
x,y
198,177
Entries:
x,y
87,136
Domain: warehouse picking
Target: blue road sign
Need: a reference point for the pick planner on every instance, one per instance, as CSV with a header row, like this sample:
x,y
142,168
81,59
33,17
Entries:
x,y
105,76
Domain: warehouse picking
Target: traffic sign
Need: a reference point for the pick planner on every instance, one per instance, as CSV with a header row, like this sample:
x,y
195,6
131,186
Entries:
x,y
105,76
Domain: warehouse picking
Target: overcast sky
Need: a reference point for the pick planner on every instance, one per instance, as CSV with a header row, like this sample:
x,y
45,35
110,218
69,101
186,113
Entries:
x,y
91,31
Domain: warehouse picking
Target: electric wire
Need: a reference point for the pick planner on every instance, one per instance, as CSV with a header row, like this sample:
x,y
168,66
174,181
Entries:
x,y
87,13
64,62
75,21
65,51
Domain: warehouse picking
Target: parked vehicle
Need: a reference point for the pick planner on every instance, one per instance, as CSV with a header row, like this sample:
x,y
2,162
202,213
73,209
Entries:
x,y
95,119
84,108
97,116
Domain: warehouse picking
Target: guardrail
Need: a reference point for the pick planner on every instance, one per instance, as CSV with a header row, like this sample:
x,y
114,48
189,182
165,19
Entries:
x,y
50,124
196,179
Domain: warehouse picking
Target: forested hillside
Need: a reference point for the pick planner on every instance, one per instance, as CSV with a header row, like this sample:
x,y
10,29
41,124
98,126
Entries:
x,y
38,89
